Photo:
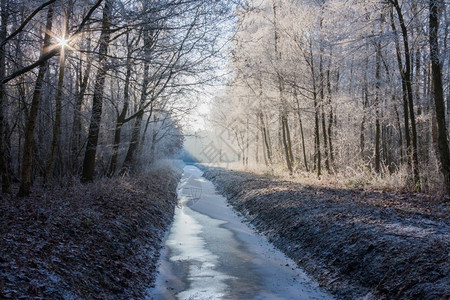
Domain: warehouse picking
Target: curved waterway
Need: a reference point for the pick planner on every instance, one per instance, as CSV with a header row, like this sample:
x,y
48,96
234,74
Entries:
x,y
210,253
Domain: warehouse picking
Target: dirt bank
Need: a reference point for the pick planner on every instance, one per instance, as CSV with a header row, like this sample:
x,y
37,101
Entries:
x,y
356,243
98,240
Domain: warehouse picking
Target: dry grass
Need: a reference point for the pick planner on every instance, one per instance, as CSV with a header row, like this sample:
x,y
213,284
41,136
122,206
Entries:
x,y
352,178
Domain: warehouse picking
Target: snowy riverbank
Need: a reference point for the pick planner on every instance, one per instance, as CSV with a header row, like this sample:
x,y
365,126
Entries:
x,y
355,243
98,240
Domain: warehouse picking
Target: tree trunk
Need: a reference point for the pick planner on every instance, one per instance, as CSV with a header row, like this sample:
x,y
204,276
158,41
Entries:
x,y
317,137
57,123
288,132
58,104
266,161
330,122
286,143
399,128
97,100
279,79
121,116
257,145
76,124
404,92
147,123
154,141
269,139
247,144
438,93
27,160
130,158
365,95
322,108
317,157
301,133
265,137
283,113
377,108
264,133
6,186
407,77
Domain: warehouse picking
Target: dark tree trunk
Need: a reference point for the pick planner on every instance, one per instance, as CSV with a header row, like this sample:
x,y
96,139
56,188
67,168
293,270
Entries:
x,y
130,158
377,109
6,186
288,132
121,117
317,136
27,160
330,123
283,115
409,92
256,144
438,93
58,105
301,133
404,92
399,128
76,125
365,95
247,142
130,161
285,132
322,108
97,100
57,123
266,140
266,161
154,141
317,156
116,142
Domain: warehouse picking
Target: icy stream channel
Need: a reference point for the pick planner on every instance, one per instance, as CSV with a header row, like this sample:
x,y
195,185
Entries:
x,y
211,254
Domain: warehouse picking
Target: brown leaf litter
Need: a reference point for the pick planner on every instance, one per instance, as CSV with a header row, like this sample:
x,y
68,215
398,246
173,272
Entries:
x,y
98,240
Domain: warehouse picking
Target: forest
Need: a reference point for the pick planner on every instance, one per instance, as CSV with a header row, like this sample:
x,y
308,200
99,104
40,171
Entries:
x,y
224,149
328,87
98,88
341,89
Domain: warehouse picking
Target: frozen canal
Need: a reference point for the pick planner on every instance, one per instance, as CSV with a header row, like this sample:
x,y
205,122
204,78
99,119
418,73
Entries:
x,y
211,254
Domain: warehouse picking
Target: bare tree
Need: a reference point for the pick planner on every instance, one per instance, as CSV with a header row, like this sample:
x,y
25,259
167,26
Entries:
x,y
97,100
27,163
438,93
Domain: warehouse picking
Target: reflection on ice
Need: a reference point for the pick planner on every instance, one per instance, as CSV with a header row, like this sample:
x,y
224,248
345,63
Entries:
x,y
211,254
187,245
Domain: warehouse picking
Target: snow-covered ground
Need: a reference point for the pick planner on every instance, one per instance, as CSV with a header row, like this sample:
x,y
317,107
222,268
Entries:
x,y
211,254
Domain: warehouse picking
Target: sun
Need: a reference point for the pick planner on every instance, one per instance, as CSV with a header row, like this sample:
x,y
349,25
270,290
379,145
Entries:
x,y
63,42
